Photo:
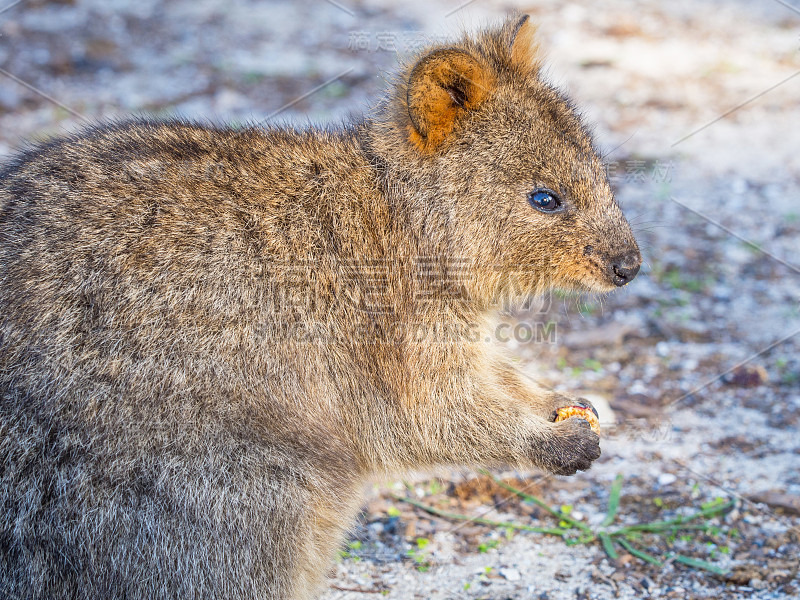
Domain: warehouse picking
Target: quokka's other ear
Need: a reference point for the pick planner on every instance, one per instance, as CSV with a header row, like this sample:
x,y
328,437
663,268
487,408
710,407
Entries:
x,y
443,86
524,50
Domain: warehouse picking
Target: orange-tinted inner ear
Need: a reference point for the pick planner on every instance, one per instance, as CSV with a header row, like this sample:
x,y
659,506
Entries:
x,y
524,49
443,85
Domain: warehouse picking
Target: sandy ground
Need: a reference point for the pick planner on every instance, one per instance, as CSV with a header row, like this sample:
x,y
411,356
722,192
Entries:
x,y
696,106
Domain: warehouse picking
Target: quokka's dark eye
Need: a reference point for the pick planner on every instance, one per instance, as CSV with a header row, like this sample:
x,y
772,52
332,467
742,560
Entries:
x,y
544,200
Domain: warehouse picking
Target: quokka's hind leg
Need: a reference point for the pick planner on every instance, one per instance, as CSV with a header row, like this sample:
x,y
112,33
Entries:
x,y
230,523
270,535
282,548
171,538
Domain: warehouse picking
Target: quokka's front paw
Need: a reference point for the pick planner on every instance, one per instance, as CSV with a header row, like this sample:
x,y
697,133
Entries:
x,y
571,446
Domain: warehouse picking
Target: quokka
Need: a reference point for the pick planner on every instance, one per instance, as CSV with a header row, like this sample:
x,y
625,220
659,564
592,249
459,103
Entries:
x,y
169,428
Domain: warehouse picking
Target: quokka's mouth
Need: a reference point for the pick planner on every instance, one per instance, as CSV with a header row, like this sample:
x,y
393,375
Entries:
x,y
585,277
587,285
614,274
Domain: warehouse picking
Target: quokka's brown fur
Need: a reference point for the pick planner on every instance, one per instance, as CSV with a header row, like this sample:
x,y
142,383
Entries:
x,y
195,374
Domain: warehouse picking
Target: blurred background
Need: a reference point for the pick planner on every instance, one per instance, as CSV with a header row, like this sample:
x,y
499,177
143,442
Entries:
x,y
695,365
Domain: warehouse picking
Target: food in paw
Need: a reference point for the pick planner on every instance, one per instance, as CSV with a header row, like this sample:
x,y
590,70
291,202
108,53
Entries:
x,y
581,411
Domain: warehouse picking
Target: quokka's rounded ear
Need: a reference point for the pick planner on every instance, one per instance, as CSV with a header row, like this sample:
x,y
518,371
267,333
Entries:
x,y
443,86
524,50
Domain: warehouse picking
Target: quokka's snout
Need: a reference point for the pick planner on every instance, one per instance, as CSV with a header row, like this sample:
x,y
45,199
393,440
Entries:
x,y
624,268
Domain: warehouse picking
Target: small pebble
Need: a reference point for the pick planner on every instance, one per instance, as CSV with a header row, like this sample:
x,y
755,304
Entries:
x,y
510,574
666,479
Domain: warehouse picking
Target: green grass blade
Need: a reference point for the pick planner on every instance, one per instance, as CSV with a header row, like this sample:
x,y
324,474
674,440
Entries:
x,y
679,522
608,545
659,527
711,511
715,510
613,501
639,553
699,564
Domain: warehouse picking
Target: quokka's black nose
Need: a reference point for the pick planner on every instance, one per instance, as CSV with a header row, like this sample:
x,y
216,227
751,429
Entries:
x,y
624,268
